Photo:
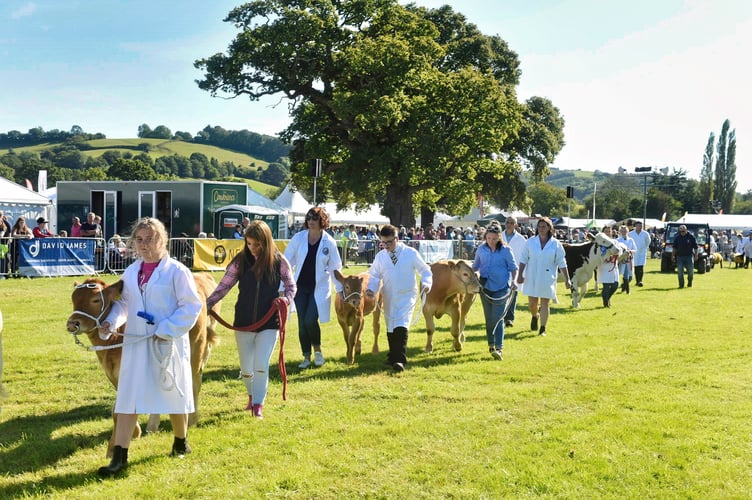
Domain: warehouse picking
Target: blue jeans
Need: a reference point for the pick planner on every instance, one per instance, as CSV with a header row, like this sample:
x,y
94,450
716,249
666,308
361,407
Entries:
x,y
309,330
493,310
687,262
607,291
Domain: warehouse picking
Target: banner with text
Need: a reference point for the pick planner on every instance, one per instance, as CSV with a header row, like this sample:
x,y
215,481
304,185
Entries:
x,y
215,255
56,256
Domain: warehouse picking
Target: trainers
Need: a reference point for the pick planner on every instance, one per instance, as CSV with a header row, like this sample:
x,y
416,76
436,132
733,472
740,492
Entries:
x,y
398,367
542,331
497,354
305,364
318,358
534,323
508,323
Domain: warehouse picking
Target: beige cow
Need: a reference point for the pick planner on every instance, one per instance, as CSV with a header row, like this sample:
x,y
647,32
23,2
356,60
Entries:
x,y
352,306
92,301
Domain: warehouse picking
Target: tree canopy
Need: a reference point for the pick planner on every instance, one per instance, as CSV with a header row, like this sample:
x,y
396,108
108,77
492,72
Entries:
x,y
408,106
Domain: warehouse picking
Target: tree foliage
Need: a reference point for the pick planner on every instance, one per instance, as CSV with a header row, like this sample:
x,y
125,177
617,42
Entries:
x,y
406,101
131,170
725,168
707,183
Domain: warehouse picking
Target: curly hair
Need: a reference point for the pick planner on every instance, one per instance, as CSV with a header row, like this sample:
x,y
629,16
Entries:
x,y
322,215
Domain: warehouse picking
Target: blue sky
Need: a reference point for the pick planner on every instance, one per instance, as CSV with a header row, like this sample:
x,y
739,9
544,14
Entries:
x,y
640,82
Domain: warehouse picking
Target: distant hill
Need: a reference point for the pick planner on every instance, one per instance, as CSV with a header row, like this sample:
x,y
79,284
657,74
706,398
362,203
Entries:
x,y
156,148
581,180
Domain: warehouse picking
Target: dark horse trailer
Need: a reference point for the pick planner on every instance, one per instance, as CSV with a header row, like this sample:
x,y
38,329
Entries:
x,y
185,207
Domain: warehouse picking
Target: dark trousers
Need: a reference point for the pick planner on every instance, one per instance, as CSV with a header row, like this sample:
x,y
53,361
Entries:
x,y
309,330
608,289
638,270
397,345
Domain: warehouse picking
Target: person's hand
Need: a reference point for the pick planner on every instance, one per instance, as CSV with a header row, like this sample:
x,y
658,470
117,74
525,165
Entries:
x,y
369,294
520,279
568,284
514,286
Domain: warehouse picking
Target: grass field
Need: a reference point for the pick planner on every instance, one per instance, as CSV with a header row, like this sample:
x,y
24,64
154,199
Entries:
x,y
648,399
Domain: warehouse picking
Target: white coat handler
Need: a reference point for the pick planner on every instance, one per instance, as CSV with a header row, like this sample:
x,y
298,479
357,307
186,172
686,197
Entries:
x,y
394,269
161,304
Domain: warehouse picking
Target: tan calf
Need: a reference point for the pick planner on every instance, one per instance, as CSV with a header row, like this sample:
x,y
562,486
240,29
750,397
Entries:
x,y
352,306
92,301
453,292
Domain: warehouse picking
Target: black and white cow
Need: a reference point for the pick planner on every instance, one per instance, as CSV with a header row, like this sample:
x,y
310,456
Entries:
x,y
584,258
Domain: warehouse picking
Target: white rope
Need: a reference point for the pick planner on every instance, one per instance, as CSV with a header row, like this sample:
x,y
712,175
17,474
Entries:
x,y
168,375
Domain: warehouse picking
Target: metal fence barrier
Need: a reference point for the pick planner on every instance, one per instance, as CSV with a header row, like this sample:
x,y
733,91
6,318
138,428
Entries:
x,y
116,254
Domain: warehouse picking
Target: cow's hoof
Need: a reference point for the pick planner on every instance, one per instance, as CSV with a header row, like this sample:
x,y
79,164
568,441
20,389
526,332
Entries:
x,y
429,348
457,346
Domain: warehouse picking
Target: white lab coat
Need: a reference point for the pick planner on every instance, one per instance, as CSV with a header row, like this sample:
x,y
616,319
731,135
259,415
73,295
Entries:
x,y
642,240
171,297
327,260
541,267
400,290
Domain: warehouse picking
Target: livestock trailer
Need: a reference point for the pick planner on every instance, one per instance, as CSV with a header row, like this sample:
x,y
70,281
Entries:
x,y
185,207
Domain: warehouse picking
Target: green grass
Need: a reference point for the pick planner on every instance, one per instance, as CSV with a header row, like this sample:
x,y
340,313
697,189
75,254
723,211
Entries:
x,y
648,399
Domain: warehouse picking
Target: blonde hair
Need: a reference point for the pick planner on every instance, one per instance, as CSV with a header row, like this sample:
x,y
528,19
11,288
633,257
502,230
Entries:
x,y
156,227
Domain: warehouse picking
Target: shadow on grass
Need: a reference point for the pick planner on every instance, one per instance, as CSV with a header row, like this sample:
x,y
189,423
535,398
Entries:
x,y
28,444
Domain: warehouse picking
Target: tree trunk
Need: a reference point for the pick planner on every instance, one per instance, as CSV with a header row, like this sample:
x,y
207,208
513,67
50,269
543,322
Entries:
x,y
426,216
398,206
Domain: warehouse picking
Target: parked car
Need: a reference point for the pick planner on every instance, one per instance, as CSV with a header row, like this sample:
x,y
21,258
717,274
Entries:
x,y
701,232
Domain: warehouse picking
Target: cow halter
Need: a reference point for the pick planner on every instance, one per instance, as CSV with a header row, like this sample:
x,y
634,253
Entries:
x,y
87,315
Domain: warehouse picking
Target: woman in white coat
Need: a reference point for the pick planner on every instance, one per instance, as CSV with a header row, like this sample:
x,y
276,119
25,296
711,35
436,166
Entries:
x,y
542,256
395,268
313,255
161,304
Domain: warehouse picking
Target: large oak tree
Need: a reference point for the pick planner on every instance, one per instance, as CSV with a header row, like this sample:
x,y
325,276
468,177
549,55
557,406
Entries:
x,y
409,106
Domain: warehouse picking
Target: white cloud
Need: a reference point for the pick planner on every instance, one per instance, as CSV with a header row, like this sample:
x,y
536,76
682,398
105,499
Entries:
x,y
24,11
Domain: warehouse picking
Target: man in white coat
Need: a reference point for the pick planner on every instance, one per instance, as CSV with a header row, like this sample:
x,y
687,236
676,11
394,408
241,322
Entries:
x,y
642,241
395,267
516,243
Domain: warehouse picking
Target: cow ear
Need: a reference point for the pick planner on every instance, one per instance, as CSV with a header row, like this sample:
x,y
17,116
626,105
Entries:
x,y
76,283
340,277
116,287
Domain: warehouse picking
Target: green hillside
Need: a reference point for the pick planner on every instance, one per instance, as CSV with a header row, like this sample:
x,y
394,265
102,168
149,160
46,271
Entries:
x,y
158,148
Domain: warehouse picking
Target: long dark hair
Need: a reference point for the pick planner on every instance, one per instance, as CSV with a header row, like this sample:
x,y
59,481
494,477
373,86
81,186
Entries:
x,y
265,266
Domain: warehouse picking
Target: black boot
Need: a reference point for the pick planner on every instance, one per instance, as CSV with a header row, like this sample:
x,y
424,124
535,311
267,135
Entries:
x,y
399,353
180,447
391,339
119,462
626,286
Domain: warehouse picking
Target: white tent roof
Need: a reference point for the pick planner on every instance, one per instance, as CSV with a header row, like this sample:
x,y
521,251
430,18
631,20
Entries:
x,y
255,198
17,201
12,194
251,209
349,216
736,222
293,201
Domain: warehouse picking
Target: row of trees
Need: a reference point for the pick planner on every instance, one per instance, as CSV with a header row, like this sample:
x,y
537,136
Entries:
x,y
66,163
264,147
37,135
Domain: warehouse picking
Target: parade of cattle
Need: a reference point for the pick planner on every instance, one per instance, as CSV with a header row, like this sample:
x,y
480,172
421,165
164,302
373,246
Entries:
x,y
494,262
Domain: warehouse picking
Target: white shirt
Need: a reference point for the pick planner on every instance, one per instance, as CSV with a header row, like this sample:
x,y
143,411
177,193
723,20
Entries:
x,y
642,240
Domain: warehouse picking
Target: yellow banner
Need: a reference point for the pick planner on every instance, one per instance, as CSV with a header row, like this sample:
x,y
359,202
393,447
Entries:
x,y
215,255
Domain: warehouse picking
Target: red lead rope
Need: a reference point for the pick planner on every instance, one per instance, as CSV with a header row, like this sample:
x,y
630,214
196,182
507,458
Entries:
x,y
280,307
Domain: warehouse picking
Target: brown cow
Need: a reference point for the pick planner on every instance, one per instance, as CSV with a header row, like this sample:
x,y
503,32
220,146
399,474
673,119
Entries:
x,y
92,301
352,307
453,292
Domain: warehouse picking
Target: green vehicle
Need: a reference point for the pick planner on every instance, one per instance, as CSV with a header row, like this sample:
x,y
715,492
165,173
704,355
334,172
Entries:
x,y
702,234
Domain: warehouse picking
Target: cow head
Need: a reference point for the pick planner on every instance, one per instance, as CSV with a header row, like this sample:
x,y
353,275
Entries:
x,y
92,301
353,287
466,275
611,247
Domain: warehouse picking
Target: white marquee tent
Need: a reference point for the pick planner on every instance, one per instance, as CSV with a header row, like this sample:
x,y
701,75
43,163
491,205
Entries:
x,y
717,222
17,201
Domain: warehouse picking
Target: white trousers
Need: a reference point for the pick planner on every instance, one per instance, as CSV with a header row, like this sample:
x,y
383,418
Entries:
x,y
255,350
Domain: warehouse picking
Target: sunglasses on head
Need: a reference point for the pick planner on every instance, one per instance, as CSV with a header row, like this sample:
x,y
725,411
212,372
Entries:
x,y
312,217
494,229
